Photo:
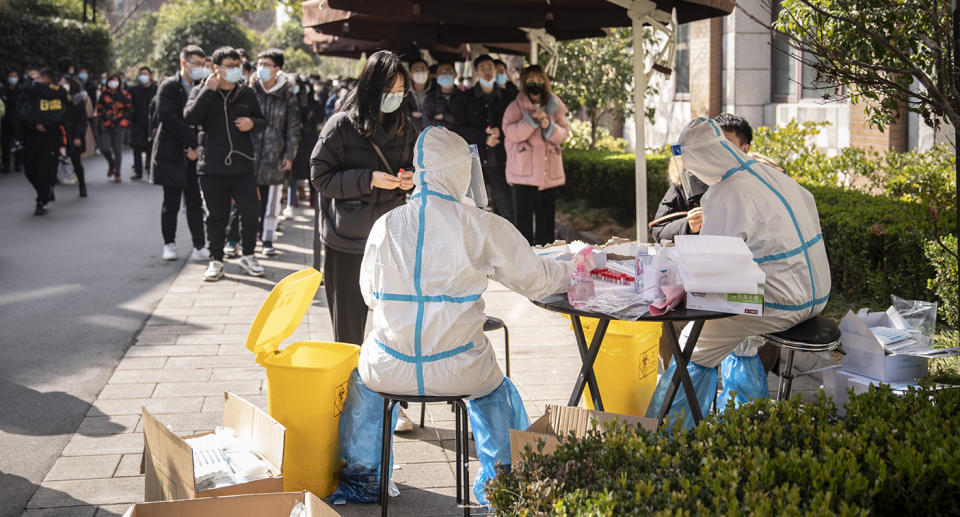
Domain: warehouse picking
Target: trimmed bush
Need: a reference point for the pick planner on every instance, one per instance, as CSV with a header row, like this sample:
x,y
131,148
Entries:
x,y
27,39
945,284
606,180
890,455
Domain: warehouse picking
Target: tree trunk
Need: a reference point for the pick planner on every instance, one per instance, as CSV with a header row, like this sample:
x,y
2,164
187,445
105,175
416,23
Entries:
x,y
594,121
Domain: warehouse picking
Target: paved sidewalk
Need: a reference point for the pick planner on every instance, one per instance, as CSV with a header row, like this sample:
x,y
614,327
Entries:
x,y
192,349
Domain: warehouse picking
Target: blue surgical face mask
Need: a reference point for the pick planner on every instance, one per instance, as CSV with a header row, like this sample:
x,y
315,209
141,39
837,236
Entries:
x,y
390,102
296,89
445,81
199,73
143,78
82,76
12,81
485,83
232,75
264,74
501,79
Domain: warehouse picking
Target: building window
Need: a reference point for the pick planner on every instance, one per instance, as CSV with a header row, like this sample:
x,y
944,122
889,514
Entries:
x,y
788,73
681,65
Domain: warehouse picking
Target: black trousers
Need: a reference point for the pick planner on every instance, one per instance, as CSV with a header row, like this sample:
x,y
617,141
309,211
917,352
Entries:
x,y
139,164
194,204
11,161
40,162
233,225
75,158
535,211
500,194
217,191
341,280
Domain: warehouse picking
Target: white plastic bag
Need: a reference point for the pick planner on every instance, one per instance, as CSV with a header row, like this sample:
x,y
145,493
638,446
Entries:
x,y
65,174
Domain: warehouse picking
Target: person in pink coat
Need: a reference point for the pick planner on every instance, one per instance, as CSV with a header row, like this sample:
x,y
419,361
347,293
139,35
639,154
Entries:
x,y
534,126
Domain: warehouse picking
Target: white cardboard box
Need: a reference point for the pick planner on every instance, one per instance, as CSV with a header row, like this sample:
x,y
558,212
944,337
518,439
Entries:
x,y
865,355
746,304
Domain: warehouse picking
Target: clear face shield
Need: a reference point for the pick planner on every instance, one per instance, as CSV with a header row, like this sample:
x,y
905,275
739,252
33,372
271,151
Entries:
x,y
478,188
692,187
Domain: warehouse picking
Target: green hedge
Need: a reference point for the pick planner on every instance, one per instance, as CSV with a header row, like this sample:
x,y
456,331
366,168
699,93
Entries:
x,y
875,244
29,40
605,179
890,455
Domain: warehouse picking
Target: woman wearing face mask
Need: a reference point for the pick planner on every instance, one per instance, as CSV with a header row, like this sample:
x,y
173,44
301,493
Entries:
x,y
357,185
535,125
420,74
115,109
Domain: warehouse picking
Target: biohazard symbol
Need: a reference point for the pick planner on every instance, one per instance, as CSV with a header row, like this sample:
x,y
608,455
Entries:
x,y
648,365
339,397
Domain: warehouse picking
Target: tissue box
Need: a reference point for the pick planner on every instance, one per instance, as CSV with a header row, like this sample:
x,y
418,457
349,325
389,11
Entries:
x,y
865,354
745,304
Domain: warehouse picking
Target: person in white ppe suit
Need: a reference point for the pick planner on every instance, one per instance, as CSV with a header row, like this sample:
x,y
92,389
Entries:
x,y
425,267
778,220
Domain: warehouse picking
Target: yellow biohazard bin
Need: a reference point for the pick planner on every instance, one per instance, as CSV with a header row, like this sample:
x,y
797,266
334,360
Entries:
x,y
626,366
306,384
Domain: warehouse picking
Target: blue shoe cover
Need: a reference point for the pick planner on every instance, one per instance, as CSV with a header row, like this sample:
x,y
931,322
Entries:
x,y
491,419
743,379
704,384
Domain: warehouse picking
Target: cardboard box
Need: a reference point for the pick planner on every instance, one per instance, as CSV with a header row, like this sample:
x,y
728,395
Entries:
x,y
260,505
865,355
559,421
168,459
746,304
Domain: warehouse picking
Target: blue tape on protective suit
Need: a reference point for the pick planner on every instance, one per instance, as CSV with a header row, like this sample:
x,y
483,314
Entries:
x,y
744,379
704,385
491,419
361,433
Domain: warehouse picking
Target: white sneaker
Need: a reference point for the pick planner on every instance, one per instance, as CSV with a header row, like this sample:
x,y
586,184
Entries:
x,y
214,271
230,249
404,424
251,266
269,250
170,251
200,254
288,212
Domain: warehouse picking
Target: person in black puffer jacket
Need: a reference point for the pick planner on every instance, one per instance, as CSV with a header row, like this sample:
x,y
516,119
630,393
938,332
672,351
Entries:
x,y
226,111
356,187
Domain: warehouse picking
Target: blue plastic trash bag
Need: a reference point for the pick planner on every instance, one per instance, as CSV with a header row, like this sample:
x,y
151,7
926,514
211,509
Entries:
x,y
743,379
704,384
361,432
491,418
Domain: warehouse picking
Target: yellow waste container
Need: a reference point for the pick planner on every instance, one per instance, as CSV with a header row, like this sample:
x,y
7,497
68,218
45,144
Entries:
x,y
306,384
626,366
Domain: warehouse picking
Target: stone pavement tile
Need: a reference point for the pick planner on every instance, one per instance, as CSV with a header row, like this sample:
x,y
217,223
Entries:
x,y
211,339
55,494
218,361
406,453
425,475
126,443
172,300
72,511
238,302
182,422
161,375
165,351
129,465
83,467
548,391
236,374
219,320
237,349
181,287
166,320
112,510
192,311
141,363
155,406
156,339
215,403
185,389
127,391
239,329
427,434
103,425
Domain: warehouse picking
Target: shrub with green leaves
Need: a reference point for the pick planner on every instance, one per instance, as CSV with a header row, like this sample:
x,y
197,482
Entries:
x,y
605,179
890,455
28,39
580,138
943,255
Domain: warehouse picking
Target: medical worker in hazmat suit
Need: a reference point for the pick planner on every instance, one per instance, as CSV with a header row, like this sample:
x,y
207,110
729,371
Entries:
x,y
778,220
425,267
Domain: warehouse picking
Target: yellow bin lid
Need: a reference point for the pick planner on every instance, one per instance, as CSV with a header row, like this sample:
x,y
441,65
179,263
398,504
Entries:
x,y
283,310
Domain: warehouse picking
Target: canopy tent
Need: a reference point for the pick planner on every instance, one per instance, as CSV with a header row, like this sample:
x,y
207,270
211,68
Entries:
x,y
541,22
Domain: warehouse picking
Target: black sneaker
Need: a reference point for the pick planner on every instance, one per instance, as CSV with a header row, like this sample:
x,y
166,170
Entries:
x,y
40,210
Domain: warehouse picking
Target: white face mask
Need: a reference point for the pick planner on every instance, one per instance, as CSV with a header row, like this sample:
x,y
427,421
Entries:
x,y
420,77
390,102
113,84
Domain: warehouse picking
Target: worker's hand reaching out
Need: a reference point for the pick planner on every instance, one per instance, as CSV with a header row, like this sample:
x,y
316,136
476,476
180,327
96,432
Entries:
x,y
695,219
406,179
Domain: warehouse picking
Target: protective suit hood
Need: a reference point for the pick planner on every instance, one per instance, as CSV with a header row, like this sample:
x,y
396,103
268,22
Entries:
x,y
443,161
707,153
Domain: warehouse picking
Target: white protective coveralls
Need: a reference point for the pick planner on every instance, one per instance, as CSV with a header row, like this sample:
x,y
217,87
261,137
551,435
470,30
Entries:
x,y
778,220
425,267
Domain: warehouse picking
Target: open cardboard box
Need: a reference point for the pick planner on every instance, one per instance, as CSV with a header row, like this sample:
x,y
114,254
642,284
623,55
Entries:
x,y
865,354
559,421
259,505
168,459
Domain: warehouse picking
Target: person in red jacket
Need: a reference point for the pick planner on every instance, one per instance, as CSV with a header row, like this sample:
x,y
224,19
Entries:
x,y
116,111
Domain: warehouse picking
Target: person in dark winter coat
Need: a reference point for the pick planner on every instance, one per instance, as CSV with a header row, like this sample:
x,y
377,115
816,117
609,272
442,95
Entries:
x,y
10,93
173,155
41,109
356,186
141,94
75,124
438,106
276,146
311,116
420,90
226,111
479,115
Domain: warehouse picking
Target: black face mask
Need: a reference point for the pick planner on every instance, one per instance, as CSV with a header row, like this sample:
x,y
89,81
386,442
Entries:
x,y
534,88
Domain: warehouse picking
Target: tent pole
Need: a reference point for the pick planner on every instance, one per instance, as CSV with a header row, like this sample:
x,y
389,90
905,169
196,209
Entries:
x,y
640,81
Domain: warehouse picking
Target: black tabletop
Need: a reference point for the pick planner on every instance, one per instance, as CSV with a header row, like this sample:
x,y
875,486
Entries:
x,y
560,303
